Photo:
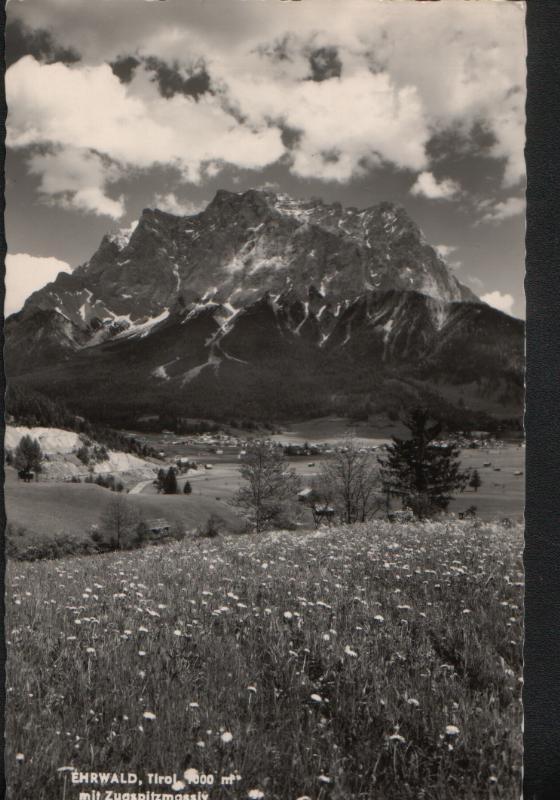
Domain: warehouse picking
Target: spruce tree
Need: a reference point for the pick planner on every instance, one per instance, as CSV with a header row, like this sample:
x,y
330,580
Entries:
x,y
170,482
425,475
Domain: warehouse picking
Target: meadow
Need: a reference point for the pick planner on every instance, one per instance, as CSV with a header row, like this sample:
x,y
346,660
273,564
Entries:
x,y
375,661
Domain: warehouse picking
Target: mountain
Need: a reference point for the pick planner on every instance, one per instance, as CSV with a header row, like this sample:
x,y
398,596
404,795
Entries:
x,y
265,305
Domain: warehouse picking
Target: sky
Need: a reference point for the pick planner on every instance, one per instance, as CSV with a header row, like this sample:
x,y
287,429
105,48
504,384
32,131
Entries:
x,y
119,105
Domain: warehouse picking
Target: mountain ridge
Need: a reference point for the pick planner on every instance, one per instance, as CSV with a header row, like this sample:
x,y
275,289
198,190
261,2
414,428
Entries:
x,y
260,289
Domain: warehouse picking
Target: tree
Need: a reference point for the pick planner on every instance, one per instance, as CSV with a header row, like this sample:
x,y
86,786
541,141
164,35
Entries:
x,y
187,488
119,521
423,473
28,455
475,481
349,481
160,480
270,488
170,482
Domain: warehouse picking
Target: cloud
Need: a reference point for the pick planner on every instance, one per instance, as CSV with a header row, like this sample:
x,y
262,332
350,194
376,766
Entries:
x,y
98,127
201,85
170,203
503,302
428,186
506,209
25,274
77,179
445,250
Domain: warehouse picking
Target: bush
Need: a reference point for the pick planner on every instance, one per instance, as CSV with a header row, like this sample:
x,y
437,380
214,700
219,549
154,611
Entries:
x,y
213,526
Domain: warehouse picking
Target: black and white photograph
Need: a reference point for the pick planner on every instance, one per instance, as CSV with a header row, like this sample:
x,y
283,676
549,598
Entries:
x,y
265,359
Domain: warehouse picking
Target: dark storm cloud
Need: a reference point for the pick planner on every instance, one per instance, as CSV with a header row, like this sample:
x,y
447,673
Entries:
x,y
290,137
22,41
169,77
171,81
325,63
124,68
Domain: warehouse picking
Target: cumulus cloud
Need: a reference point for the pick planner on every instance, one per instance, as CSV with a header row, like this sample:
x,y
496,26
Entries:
x,y
506,209
428,186
503,302
25,274
445,250
77,179
169,202
355,91
109,126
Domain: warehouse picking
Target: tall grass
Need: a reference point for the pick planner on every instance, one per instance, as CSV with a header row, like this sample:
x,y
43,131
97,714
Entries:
x,y
375,661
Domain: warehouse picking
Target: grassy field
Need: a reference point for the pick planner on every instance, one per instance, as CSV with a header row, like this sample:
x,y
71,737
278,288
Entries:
x,y
48,509
380,661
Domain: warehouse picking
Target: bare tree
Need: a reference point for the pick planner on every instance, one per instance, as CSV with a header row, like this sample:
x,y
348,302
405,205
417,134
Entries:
x,y
350,482
120,521
270,486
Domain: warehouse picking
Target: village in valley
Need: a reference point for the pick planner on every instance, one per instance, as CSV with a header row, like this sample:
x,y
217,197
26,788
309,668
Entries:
x,y
203,472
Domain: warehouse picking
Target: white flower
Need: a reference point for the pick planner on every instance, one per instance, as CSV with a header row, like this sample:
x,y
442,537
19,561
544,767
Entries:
x,y
324,779
20,757
317,698
190,775
413,702
227,737
149,715
396,737
178,785
379,618
255,794
452,730
349,652
288,615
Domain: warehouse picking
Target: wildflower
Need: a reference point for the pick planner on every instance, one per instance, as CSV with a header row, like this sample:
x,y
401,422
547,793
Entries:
x,y
349,652
413,702
379,618
255,794
452,730
20,757
317,698
190,775
288,615
178,785
396,737
324,779
149,715
194,705
252,689
226,738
